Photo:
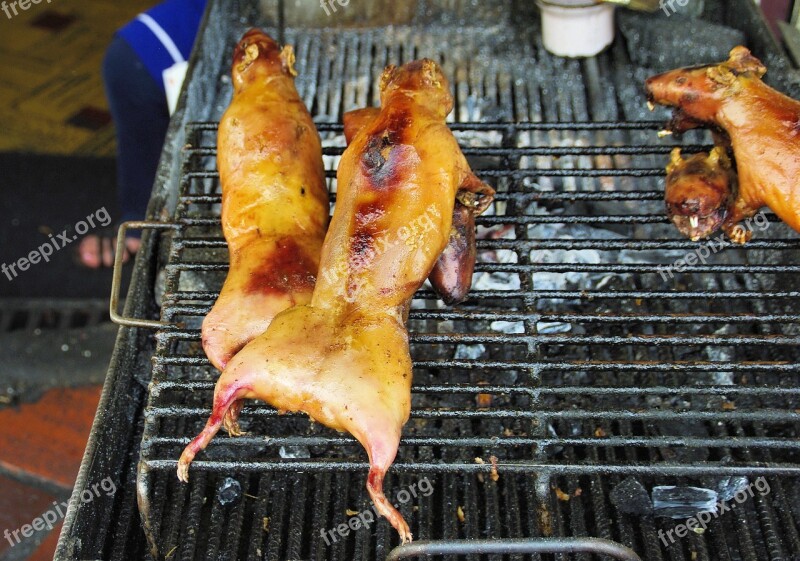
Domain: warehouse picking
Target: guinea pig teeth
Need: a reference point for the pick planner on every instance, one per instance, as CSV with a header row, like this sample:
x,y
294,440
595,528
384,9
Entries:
x,y
694,222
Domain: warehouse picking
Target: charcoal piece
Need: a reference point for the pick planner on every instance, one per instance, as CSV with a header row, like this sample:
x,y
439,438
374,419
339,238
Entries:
x,y
229,491
679,41
683,501
727,487
631,497
685,429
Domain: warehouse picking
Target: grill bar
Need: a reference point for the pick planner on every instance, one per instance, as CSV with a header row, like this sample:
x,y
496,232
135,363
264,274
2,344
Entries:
x,y
493,338
551,545
478,295
202,310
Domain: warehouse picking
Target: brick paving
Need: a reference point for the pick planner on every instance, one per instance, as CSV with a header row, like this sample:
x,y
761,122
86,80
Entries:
x,y
41,448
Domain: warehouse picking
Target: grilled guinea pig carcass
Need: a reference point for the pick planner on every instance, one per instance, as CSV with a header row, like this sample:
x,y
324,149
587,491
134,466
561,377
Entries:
x,y
274,199
763,126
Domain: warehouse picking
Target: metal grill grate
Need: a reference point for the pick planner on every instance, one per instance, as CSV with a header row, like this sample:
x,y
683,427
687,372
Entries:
x,y
577,361
619,373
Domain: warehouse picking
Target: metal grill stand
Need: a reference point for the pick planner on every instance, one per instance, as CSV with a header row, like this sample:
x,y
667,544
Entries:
x,y
581,362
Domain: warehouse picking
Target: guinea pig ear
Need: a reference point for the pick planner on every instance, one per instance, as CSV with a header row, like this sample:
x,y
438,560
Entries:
x,y
430,71
675,159
714,157
386,77
741,61
719,157
246,53
287,58
723,76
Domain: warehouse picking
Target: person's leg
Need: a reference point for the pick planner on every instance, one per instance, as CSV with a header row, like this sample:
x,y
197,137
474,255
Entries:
x,y
139,109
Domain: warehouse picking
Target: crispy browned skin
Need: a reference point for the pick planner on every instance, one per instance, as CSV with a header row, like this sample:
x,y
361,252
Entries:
x,y
344,359
451,276
699,191
763,126
274,198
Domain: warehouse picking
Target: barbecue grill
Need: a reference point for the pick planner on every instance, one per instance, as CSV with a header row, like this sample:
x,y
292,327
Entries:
x,y
585,373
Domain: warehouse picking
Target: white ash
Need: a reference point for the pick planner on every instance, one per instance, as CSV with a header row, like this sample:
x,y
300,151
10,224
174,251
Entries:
x,y
552,433
496,281
194,281
478,139
508,326
469,352
552,327
578,280
294,452
444,326
722,354
332,162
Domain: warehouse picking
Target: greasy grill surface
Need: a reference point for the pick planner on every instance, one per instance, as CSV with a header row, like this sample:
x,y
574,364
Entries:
x,y
579,360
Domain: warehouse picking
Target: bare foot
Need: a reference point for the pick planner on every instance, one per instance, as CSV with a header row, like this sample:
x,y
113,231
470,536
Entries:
x,y
97,251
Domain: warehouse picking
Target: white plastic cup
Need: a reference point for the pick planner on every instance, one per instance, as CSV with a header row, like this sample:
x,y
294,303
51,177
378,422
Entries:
x,y
576,28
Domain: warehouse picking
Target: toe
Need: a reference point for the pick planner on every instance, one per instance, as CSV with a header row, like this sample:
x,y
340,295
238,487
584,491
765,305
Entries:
x,y
89,251
108,253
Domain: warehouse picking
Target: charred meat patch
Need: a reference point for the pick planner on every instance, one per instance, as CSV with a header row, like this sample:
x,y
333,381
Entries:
x,y
288,271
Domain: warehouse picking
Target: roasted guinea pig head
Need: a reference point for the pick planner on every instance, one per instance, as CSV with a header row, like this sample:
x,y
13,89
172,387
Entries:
x,y
699,191
697,92
257,56
421,79
451,277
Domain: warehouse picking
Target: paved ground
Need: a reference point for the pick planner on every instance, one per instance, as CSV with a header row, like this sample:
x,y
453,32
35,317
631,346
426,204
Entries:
x,y
41,447
56,167
51,94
